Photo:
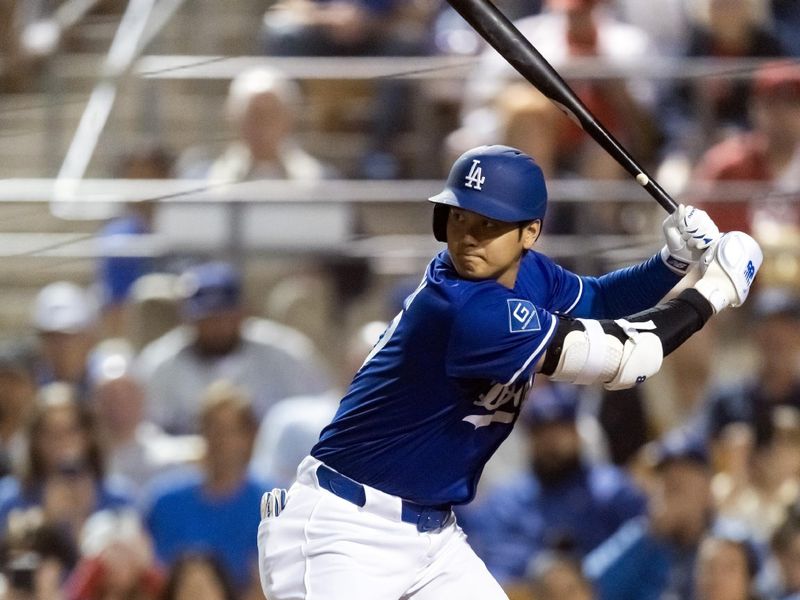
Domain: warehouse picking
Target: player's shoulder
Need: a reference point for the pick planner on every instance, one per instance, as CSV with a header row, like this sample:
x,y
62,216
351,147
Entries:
x,y
442,280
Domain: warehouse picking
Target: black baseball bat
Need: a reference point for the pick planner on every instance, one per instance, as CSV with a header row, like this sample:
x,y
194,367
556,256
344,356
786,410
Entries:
x,y
503,36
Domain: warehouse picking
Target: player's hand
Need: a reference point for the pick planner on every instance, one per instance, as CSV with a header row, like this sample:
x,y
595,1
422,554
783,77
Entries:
x,y
689,232
729,269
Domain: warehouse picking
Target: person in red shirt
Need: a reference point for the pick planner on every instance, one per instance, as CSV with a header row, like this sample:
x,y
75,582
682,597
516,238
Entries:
x,y
769,152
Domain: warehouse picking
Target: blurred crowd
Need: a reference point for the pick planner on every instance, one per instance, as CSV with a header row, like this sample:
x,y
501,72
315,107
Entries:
x,y
143,416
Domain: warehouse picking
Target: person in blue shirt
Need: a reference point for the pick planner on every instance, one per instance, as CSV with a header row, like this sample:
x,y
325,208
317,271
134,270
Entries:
x,y
562,503
214,508
653,557
370,515
64,477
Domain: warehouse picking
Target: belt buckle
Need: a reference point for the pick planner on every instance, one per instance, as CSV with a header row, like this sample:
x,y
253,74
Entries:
x,y
430,519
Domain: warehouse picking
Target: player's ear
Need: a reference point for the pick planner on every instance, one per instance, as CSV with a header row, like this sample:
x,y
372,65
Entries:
x,y
530,233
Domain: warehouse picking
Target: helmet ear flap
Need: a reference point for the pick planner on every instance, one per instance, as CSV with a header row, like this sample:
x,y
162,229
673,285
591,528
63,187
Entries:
x,y
440,214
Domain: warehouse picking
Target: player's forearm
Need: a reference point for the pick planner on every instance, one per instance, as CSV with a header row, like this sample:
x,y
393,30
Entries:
x,y
589,351
623,352
625,291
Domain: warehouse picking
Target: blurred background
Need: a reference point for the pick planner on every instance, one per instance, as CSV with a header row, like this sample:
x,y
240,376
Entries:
x,y
208,211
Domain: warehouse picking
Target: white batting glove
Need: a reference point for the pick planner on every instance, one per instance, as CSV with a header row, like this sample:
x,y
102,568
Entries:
x,y
689,232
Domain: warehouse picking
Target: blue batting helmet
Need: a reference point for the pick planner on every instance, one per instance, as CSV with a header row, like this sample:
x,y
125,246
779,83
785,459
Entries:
x,y
498,182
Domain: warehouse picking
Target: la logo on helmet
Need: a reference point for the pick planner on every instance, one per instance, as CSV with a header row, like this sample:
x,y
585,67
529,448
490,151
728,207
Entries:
x,y
475,177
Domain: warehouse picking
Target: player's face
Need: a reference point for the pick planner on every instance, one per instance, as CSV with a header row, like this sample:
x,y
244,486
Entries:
x,y
483,248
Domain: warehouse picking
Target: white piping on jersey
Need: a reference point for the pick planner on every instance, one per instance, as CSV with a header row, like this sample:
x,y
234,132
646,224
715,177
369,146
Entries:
x,y
580,293
553,321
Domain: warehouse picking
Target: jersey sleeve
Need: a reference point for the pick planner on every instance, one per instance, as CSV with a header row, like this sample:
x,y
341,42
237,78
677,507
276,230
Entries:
x,y
498,336
621,292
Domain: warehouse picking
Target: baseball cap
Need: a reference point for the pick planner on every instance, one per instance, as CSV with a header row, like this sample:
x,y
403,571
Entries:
x,y
64,307
209,288
679,446
553,403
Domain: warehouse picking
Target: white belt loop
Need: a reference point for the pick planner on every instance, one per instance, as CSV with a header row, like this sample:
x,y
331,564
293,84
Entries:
x,y
382,504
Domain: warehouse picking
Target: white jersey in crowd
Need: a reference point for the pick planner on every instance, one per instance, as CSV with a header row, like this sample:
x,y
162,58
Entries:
x,y
272,362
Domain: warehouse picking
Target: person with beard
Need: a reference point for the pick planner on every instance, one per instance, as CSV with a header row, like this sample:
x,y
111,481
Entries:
x,y
653,557
219,341
563,503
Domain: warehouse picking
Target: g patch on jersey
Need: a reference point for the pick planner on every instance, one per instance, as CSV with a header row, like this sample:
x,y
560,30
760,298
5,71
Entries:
x,y
522,316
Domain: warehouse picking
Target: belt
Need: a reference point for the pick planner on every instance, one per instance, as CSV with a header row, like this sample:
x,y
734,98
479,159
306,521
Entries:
x,y
426,518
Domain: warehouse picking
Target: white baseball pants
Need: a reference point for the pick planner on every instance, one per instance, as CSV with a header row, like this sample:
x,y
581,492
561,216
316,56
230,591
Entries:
x,y
322,547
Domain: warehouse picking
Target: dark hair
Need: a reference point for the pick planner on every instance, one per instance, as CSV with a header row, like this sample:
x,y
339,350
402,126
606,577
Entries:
x,y
37,469
184,561
30,535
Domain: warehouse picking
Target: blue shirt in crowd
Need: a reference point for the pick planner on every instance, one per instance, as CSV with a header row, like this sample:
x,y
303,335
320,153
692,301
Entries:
x,y
634,564
518,520
181,516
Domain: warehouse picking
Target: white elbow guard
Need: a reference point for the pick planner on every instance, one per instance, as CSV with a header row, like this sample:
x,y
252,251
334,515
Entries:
x,y
594,356
642,355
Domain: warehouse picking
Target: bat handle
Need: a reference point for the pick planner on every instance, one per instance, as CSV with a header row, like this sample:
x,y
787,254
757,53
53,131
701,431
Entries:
x,y
653,188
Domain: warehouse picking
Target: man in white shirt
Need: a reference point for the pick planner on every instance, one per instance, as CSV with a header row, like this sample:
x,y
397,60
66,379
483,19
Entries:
x,y
218,341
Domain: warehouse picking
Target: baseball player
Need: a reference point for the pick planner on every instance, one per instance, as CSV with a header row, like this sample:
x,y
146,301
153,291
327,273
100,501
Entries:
x,y
369,516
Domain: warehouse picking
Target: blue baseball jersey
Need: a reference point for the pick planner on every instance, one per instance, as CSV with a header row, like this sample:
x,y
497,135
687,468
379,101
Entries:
x,y
442,388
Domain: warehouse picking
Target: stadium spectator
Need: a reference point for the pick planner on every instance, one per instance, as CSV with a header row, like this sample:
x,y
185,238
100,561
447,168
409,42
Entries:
x,y
358,28
65,318
117,561
727,566
36,558
292,426
708,107
214,507
262,108
758,486
136,449
198,576
768,153
17,401
652,557
561,504
65,475
775,331
153,310
218,341
117,274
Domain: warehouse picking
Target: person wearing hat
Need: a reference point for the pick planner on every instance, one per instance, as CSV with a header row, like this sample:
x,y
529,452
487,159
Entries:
x,y
563,502
219,341
65,318
652,557
767,152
